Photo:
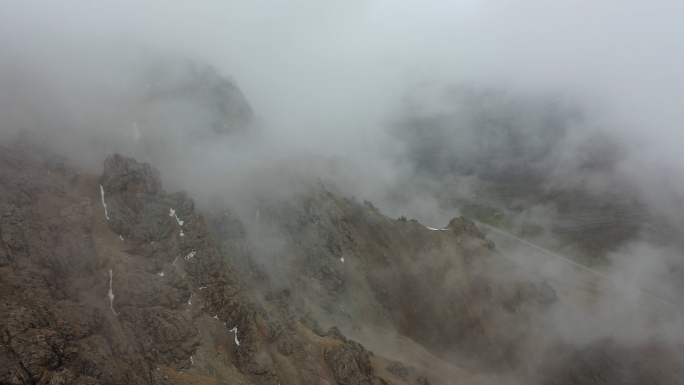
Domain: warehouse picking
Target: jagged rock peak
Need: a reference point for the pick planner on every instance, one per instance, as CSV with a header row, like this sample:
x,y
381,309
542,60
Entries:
x,y
173,78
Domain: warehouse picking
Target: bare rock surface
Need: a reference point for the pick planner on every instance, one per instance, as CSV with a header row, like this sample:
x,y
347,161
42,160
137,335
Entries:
x,y
141,293
112,280
350,364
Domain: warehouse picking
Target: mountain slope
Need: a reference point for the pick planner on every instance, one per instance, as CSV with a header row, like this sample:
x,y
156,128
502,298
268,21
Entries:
x,y
354,267
110,280
133,294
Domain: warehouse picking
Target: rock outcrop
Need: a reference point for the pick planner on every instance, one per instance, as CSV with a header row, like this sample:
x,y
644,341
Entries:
x,y
136,292
112,280
176,79
445,289
350,364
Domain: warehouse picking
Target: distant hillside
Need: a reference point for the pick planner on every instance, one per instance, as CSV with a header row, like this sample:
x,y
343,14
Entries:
x,y
503,158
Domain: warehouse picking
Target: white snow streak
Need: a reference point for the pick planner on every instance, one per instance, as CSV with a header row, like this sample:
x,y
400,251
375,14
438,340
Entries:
x,y
174,261
103,202
120,237
236,340
191,361
190,300
342,259
111,292
430,228
172,213
192,254
161,274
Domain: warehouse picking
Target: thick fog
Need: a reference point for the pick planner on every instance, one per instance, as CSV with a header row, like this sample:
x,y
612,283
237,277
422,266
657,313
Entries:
x,y
327,76
541,112
325,68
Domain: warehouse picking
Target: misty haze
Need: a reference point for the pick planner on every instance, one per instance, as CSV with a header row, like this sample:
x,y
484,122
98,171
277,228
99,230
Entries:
x,y
352,193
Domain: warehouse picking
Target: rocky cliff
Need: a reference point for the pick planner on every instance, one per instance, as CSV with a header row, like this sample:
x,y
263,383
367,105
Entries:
x,y
110,279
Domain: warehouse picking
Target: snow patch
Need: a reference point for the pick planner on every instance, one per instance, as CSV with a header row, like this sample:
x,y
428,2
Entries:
x,y
103,202
191,361
430,228
342,259
172,213
120,237
216,316
161,274
190,300
174,261
202,287
236,340
192,254
111,292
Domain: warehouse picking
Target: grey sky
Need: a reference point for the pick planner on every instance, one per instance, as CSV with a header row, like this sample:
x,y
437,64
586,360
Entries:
x,y
320,66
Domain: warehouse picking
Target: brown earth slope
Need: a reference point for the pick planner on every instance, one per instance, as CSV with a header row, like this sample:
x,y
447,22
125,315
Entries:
x,y
445,289
143,291
134,296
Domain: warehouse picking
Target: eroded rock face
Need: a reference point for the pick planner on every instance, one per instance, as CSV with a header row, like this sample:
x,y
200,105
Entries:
x,y
444,289
56,257
168,235
125,184
49,333
350,364
150,296
143,295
